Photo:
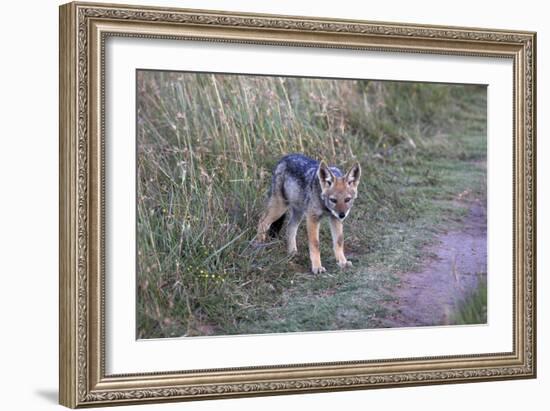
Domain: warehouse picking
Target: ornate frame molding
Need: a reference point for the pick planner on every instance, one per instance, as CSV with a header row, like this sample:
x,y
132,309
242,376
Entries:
x,y
83,30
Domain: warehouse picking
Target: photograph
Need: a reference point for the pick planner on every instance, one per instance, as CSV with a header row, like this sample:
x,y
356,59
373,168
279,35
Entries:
x,y
275,204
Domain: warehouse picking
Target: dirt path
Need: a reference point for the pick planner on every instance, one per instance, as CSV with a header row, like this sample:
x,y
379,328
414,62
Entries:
x,y
430,295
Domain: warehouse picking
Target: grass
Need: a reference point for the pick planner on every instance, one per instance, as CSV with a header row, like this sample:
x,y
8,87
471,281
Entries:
x,y
206,147
473,309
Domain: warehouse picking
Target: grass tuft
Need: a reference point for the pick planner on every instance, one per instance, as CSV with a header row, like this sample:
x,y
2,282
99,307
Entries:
x,y
473,309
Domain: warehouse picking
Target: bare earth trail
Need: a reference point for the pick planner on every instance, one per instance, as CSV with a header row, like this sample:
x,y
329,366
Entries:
x,y
458,261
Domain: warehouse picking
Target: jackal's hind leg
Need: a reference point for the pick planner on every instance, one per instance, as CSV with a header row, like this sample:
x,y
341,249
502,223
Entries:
x,y
276,208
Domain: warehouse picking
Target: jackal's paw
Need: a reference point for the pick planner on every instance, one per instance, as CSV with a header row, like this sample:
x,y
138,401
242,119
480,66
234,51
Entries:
x,y
292,252
318,270
344,264
261,237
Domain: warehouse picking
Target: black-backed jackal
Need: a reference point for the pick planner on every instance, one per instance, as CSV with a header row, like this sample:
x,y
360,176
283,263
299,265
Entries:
x,y
302,187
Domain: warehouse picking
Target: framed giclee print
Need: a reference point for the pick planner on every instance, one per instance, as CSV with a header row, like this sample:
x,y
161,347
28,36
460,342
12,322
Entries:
x,y
255,204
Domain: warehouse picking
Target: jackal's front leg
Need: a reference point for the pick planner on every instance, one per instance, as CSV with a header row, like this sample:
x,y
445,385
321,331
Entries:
x,y
337,231
313,242
292,230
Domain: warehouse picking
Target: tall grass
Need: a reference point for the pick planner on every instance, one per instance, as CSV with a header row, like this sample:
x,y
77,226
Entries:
x,y
473,309
206,146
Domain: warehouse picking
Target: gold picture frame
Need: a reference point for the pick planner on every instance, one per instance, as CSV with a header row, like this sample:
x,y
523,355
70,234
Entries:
x,y
84,27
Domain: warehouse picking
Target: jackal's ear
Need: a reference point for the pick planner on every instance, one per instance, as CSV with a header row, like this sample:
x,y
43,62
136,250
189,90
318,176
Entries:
x,y
353,175
326,178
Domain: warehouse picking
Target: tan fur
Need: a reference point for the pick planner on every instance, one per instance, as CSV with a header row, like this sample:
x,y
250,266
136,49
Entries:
x,y
339,188
312,223
337,231
276,207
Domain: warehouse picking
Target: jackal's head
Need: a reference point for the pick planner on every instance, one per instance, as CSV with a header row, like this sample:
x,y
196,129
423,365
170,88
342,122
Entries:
x,y
338,193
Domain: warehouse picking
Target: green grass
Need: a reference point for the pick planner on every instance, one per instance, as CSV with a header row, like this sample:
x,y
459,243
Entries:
x,y
206,147
473,309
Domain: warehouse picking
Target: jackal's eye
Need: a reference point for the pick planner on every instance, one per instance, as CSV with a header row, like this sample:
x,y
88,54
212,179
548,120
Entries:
x,y
333,200
347,199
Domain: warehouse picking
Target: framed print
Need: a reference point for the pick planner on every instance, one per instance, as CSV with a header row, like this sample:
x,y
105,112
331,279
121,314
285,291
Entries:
x,y
258,204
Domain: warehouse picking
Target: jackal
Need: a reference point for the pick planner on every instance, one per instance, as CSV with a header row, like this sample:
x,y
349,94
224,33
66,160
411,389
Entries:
x,y
303,186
